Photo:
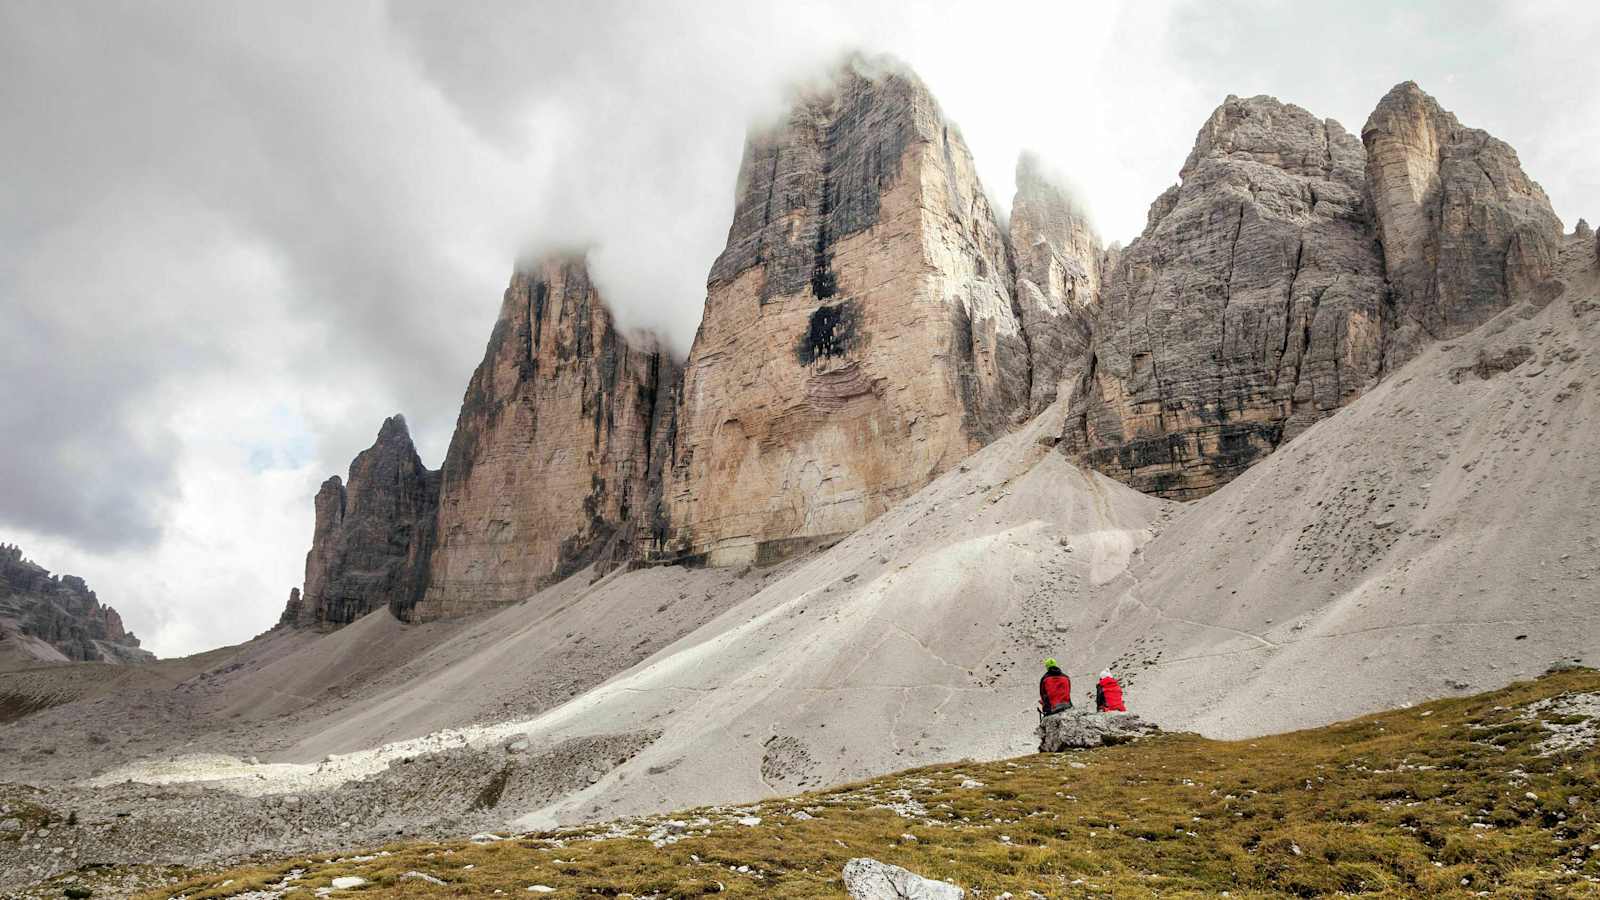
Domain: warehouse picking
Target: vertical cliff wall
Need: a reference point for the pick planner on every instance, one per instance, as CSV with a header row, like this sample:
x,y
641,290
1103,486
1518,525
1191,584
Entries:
x,y
859,334
1058,262
1248,309
549,467
1465,232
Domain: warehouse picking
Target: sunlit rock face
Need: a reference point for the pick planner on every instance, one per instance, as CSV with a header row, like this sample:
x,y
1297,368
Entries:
x,y
1248,309
859,334
1465,232
550,465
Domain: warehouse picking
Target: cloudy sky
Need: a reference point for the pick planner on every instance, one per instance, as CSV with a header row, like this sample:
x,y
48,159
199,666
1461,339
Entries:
x,y
235,236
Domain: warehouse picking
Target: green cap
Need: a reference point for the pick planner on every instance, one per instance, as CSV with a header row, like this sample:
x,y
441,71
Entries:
x,y
1050,663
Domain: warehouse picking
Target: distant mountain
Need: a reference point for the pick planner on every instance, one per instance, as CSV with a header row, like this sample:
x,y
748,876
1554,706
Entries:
x,y
56,618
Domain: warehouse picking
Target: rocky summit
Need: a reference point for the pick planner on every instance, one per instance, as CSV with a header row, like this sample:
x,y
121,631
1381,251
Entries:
x,y
1289,270
870,323
373,535
1248,309
859,334
1465,232
549,468
56,618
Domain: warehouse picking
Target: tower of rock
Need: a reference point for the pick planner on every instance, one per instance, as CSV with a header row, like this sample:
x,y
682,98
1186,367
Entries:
x,y
1058,262
372,537
549,468
859,334
1248,309
1465,232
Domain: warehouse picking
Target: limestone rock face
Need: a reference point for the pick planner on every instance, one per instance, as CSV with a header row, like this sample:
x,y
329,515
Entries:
x,y
1248,309
56,617
1058,259
548,469
1080,730
859,334
1465,232
370,545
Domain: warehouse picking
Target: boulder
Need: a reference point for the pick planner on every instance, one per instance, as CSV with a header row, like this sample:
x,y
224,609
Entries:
x,y
868,879
1249,309
859,335
1082,730
1465,232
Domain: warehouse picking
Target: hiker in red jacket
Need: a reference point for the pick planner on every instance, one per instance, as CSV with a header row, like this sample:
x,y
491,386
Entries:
x,y
1055,690
1108,694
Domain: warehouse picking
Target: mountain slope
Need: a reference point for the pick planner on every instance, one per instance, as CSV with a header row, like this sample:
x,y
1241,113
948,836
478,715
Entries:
x,y
1461,797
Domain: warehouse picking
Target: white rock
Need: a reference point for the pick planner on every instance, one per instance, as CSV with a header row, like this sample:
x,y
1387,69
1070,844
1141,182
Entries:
x,y
346,882
868,879
541,889
750,820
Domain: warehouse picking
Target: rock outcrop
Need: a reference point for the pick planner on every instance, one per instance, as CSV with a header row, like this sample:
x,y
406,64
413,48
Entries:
x,y
859,334
549,467
55,617
1082,730
372,539
869,879
1058,258
1465,232
1248,309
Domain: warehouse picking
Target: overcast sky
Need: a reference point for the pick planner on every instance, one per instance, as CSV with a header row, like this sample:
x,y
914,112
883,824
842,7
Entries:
x,y
234,237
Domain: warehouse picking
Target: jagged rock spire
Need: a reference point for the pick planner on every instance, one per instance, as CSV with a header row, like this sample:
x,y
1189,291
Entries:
x,y
549,467
372,537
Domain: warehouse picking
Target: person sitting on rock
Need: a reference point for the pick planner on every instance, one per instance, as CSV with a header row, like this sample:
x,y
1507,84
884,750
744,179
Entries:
x,y
1055,690
1108,694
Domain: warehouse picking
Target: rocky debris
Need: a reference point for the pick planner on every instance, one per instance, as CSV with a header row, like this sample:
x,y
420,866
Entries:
x,y
859,335
1573,721
1248,309
373,536
548,469
868,879
57,618
1465,232
1082,730
458,791
1058,259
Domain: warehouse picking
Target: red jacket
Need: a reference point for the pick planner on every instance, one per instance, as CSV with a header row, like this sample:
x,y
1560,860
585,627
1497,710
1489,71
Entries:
x,y
1108,696
1055,691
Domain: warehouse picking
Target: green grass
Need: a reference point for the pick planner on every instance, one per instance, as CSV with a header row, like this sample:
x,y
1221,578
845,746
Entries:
x,y
1448,799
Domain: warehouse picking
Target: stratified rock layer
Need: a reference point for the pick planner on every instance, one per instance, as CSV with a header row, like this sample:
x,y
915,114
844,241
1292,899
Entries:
x,y
372,538
548,469
1247,310
59,611
1465,232
1058,259
859,335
